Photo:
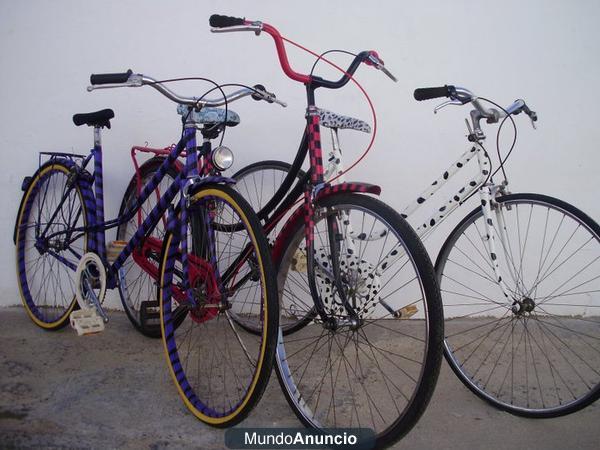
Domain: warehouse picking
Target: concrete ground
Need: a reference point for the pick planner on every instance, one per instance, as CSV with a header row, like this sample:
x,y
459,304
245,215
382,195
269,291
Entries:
x,y
112,390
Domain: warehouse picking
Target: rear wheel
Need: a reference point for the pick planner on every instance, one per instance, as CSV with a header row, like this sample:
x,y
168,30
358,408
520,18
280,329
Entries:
x,y
219,368
46,266
136,282
258,183
536,354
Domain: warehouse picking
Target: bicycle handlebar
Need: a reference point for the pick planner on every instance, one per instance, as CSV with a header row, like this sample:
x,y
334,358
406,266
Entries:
x,y
461,96
130,79
225,24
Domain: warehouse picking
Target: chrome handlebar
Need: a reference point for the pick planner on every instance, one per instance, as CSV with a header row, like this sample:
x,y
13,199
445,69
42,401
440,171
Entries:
x,y
462,96
138,80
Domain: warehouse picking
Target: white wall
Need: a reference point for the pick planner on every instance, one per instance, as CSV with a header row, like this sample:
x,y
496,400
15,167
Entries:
x,y
544,51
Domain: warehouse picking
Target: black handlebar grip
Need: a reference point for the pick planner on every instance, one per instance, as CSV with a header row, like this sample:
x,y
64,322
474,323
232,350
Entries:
x,y
433,92
110,78
218,21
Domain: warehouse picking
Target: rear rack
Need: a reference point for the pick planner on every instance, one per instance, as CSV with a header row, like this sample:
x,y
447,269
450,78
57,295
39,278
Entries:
x,y
76,158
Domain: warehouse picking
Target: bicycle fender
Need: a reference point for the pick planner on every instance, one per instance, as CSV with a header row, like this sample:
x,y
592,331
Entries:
x,y
213,179
286,234
364,188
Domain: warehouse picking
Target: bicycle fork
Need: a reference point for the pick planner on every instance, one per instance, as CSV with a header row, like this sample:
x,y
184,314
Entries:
x,y
333,234
486,195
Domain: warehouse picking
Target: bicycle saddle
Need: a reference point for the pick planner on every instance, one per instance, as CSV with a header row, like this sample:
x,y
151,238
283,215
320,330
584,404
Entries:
x,y
330,119
210,116
94,119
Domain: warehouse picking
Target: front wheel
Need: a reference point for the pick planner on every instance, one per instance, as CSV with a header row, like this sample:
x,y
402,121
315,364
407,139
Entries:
x,y
219,368
378,368
536,354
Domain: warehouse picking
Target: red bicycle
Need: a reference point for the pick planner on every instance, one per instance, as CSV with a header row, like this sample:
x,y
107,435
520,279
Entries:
x,y
361,316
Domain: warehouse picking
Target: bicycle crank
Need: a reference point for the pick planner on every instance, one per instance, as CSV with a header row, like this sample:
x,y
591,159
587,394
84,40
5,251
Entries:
x,y
90,290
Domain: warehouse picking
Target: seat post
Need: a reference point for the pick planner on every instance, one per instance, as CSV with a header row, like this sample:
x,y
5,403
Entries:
x,y
97,137
99,191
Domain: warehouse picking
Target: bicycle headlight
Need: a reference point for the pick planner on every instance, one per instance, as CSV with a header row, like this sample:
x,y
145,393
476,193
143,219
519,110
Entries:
x,y
222,158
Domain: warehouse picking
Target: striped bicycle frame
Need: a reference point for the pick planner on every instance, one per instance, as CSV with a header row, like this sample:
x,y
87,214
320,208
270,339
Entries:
x,y
96,229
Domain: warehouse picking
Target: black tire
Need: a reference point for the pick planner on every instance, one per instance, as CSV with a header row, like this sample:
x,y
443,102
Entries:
x,y
46,284
245,359
411,385
557,373
136,285
258,190
257,183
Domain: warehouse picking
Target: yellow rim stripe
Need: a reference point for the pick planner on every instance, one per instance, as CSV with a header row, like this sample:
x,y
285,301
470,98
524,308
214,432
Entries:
x,y
47,325
192,408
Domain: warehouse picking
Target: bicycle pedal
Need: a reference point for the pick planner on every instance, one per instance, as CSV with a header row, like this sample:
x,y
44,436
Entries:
x,y
407,312
150,316
299,261
86,321
113,249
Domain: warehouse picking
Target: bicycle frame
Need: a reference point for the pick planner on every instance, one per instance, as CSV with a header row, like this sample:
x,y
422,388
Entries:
x,y
487,192
188,175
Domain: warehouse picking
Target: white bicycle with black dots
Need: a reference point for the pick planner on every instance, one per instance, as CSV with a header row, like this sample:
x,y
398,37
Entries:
x,y
519,274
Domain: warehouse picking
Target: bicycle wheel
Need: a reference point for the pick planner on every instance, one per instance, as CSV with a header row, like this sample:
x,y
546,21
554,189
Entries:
x,y
136,284
258,183
219,369
536,354
380,371
46,282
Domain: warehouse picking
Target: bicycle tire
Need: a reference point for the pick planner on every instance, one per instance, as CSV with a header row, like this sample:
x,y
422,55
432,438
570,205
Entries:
x,y
251,186
422,335
45,190
196,388
253,191
135,284
547,371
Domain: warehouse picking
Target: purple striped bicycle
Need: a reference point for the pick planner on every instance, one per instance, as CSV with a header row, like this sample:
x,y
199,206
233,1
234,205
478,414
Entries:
x,y
64,265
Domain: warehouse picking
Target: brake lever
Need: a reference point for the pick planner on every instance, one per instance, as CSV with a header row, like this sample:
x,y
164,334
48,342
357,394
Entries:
x,y
254,26
532,116
373,60
269,97
447,103
388,73
533,122
279,102
135,80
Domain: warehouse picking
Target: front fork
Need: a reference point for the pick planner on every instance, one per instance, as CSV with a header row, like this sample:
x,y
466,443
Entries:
x,y
487,202
310,194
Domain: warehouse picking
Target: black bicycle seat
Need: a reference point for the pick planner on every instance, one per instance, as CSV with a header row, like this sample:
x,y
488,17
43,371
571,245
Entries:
x,y
95,119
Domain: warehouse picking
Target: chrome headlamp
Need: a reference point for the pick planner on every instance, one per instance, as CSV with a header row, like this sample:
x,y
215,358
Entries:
x,y
222,158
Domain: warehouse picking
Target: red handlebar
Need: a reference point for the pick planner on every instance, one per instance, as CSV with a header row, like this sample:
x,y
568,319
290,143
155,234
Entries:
x,y
283,59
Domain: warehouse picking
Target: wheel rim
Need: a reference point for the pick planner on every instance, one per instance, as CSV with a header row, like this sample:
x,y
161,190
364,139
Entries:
x,y
539,352
48,285
367,377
